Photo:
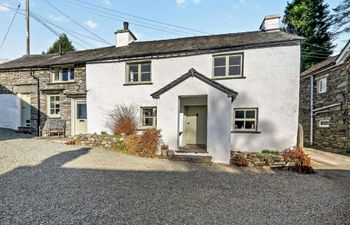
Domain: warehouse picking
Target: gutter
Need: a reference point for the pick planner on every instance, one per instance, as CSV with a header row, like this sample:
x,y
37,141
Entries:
x,y
38,95
311,110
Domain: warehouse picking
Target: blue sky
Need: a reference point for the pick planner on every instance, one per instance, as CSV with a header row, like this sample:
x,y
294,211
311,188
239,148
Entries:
x,y
208,16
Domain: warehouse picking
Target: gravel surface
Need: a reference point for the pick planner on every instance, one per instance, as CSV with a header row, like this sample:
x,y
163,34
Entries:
x,y
42,182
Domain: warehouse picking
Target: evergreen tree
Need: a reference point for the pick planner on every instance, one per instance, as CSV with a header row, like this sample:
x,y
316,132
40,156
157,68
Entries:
x,y
66,45
310,19
341,18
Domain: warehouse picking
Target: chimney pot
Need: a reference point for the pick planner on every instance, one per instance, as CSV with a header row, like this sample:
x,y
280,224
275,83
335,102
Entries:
x,y
126,26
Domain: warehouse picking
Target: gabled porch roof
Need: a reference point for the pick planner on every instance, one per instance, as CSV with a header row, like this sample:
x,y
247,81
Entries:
x,y
193,73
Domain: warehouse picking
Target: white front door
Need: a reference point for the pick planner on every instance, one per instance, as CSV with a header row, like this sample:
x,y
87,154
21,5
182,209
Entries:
x,y
25,110
80,116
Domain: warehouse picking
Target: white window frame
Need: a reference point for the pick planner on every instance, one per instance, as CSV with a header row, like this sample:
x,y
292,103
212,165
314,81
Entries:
x,y
255,120
143,117
139,75
58,72
322,89
54,115
320,125
227,66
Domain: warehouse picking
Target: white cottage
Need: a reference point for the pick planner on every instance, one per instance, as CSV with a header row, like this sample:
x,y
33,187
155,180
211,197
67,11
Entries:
x,y
237,91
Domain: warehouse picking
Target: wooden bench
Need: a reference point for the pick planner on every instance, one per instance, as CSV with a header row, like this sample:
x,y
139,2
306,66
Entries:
x,y
54,126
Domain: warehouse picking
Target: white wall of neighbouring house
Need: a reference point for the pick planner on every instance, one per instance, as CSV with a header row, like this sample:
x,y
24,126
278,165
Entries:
x,y
9,111
270,83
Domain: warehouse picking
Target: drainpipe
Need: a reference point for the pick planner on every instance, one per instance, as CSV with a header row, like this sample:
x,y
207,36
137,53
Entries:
x,y
311,109
38,95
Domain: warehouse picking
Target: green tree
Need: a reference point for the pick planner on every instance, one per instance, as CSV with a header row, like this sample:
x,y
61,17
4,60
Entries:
x,y
341,17
64,42
310,19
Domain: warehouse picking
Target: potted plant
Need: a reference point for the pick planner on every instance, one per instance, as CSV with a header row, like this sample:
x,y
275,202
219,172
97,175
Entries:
x,y
164,150
171,153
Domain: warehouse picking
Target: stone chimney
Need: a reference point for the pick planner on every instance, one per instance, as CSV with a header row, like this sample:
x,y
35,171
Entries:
x,y
124,37
271,23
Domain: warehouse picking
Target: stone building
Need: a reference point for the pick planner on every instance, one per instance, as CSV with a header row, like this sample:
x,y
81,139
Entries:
x,y
40,87
324,103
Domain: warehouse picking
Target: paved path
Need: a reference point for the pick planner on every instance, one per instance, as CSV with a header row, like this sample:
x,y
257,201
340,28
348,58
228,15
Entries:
x,y
50,183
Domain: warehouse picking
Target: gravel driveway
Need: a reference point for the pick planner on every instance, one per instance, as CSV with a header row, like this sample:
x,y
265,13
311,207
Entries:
x,y
43,182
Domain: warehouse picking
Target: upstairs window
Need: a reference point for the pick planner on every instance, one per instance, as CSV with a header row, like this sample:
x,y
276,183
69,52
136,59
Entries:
x,y
54,105
148,117
63,75
138,73
322,85
324,123
245,119
228,66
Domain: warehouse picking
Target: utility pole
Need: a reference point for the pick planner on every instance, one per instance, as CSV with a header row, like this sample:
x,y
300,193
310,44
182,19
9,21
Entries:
x,y
27,31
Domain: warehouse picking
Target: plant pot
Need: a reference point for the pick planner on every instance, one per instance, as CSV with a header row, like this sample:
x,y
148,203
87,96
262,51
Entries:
x,y
171,153
164,152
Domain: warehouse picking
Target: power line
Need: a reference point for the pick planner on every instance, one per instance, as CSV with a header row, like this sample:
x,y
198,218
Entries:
x,y
45,25
8,29
137,23
77,22
142,18
64,30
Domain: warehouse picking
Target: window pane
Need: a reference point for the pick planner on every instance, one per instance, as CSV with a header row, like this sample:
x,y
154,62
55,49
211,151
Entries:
x,y
250,114
71,74
250,125
148,112
219,61
133,68
64,74
148,122
57,111
234,70
145,77
81,111
239,114
52,111
52,98
219,71
239,124
57,76
146,67
235,60
57,98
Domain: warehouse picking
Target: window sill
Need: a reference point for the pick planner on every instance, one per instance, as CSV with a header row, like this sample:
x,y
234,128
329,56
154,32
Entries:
x,y
62,82
228,78
132,84
53,117
246,132
145,128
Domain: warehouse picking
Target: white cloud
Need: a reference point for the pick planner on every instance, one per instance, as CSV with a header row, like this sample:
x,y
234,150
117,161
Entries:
x,y
55,18
91,24
3,7
107,2
181,3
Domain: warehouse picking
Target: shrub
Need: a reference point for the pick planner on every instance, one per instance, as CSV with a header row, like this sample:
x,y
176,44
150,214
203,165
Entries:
x,y
239,160
301,159
103,133
144,145
71,142
270,151
123,120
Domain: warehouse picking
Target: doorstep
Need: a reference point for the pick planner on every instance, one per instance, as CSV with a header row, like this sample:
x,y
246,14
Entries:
x,y
189,157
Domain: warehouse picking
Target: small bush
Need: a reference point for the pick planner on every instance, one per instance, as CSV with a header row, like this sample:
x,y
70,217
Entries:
x,y
71,142
103,133
123,120
270,151
239,160
301,159
144,145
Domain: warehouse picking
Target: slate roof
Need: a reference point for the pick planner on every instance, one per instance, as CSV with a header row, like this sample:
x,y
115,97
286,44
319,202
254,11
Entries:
x,y
193,73
319,66
150,48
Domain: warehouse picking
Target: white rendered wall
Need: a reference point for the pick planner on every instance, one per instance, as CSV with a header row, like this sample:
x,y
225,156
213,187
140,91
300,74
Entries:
x,y
9,111
271,83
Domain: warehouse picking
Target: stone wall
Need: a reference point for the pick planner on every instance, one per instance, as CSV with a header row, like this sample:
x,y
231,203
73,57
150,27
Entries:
x,y
260,159
336,137
21,81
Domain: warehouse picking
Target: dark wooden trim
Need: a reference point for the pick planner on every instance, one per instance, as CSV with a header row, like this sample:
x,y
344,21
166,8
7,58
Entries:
x,y
133,84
